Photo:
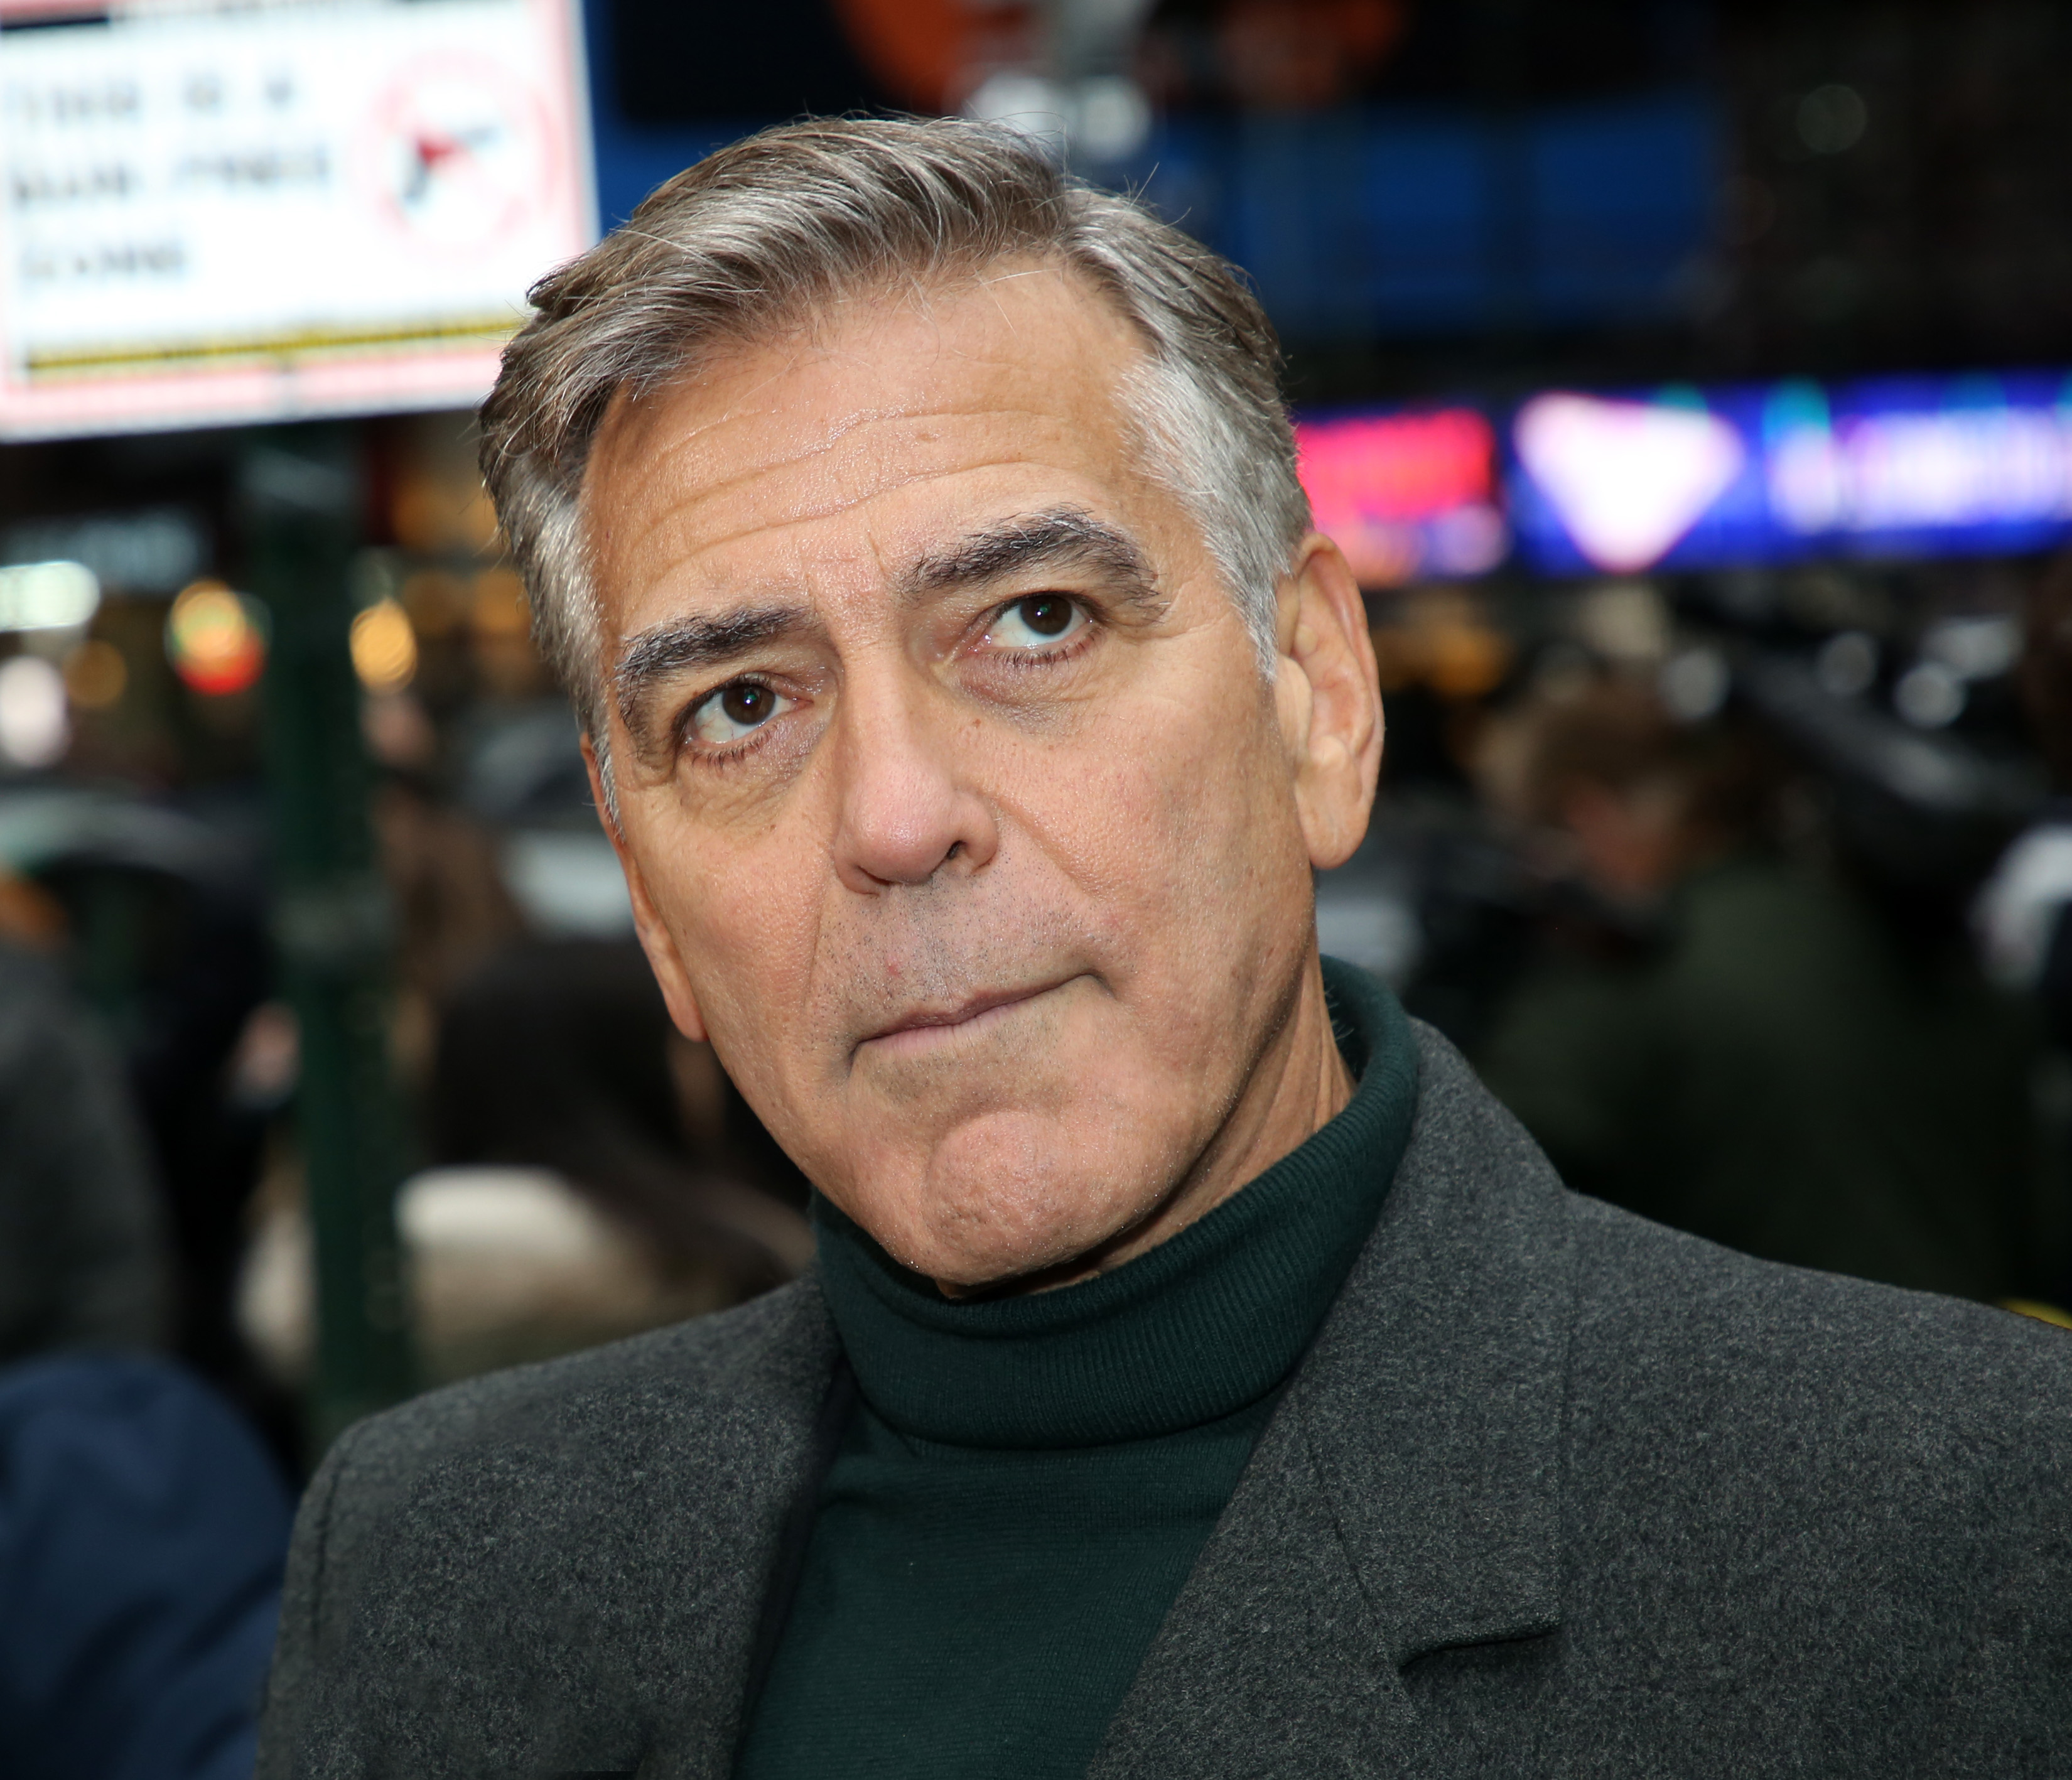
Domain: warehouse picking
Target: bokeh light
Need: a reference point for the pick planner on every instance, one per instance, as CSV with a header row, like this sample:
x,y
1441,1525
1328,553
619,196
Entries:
x,y
46,596
34,728
384,648
214,639
500,608
97,675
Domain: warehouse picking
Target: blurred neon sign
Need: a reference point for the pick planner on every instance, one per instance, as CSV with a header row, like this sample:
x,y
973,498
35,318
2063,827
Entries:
x,y
1406,495
1627,478
1896,467
1987,466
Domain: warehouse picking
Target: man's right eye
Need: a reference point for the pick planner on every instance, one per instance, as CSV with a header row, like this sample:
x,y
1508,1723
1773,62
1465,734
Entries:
x,y
737,709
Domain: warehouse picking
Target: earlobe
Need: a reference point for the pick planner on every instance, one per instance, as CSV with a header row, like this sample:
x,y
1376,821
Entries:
x,y
1324,634
656,939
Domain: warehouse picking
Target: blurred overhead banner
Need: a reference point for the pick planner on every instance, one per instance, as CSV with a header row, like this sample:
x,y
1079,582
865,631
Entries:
x,y
1682,477
1892,468
218,213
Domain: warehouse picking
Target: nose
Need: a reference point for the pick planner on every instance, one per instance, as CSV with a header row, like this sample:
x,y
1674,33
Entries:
x,y
908,810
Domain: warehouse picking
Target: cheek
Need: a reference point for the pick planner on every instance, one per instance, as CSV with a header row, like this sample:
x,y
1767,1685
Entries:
x,y
1174,817
743,913
1227,915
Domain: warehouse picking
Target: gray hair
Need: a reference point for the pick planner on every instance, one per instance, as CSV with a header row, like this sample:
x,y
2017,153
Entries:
x,y
756,237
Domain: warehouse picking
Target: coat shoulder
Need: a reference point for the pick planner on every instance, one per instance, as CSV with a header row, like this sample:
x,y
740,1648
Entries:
x,y
1703,1323
1668,1330
1821,1503
770,1353
1790,1521
516,1574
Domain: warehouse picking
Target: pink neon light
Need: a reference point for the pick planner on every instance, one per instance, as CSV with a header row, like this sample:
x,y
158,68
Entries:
x,y
1399,467
1405,494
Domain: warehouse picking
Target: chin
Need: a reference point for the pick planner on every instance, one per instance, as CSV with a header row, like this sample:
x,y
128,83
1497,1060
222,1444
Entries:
x,y
1006,1196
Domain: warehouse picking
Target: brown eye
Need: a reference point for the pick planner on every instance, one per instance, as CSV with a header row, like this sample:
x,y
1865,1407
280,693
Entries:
x,y
1038,619
746,703
736,708
1047,614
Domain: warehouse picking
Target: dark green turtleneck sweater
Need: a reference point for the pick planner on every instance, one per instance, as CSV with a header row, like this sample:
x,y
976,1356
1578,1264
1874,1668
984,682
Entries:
x,y
1026,1482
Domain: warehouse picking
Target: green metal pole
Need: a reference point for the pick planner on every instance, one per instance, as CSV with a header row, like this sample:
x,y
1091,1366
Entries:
x,y
333,924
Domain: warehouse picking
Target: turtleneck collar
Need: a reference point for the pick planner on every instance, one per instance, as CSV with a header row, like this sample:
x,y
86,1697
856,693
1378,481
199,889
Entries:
x,y
1205,1325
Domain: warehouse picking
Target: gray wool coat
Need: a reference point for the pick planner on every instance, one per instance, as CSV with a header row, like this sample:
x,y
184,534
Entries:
x,y
1555,1493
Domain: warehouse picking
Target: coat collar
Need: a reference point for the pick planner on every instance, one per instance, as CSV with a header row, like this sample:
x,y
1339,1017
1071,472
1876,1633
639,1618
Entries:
x,y
1404,1497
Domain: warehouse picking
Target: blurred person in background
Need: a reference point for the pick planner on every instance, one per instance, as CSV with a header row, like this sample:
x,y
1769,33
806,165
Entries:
x,y
84,1257
1740,1046
561,1053
556,1059
142,1524
453,908
167,955
2023,915
143,1528
1202,1375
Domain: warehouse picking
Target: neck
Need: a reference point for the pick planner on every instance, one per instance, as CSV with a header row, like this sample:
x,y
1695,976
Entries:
x,y
1298,1086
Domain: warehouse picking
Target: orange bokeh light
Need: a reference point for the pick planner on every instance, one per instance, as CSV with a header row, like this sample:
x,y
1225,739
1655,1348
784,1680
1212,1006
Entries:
x,y
214,640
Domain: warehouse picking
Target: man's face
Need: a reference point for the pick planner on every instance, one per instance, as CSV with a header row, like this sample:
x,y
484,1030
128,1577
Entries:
x,y
956,809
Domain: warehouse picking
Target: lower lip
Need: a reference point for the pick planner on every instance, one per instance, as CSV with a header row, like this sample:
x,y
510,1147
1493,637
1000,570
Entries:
x,y
908,1040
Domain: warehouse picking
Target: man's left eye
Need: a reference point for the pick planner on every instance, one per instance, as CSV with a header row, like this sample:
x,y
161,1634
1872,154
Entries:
x,y
738,709
1037,622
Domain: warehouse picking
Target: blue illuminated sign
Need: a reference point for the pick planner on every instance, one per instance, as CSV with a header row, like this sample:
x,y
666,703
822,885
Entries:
x,y
1896,467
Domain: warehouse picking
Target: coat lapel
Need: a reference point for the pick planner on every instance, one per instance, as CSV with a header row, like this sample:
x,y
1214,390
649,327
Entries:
x,y
1403,1498
778,1449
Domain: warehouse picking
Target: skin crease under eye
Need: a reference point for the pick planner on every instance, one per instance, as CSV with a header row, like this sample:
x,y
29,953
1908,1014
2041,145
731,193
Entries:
x,y
1011,944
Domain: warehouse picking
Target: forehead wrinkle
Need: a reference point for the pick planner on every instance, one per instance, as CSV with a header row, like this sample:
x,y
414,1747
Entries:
x,y
740,404
662,511
791,341
654,462
842,349
752,528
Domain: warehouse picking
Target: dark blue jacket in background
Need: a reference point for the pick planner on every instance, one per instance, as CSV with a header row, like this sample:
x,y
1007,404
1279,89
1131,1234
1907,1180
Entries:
x,y
142,1532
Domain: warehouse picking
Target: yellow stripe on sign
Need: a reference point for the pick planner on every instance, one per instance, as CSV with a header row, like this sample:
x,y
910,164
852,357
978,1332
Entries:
x,y
2038,1309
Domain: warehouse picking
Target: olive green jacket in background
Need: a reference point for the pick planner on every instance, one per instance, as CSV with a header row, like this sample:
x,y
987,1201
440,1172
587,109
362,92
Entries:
x,y
1782,1075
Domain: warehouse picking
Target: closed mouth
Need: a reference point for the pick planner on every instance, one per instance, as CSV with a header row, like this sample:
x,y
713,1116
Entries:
x,y
923,1023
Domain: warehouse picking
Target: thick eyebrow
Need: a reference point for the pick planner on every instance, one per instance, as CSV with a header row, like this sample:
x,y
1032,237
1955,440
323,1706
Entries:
x,y
667,649
1064,537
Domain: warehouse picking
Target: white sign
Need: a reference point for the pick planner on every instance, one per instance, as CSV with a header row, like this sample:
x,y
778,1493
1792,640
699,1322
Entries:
x,y
257,213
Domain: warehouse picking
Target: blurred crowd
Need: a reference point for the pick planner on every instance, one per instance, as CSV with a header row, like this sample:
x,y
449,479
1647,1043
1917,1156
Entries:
x,y
1733,967
1731,1034
575,1170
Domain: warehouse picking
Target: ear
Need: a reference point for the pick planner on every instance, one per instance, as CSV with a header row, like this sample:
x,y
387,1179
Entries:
x,y
1328,694
656,939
